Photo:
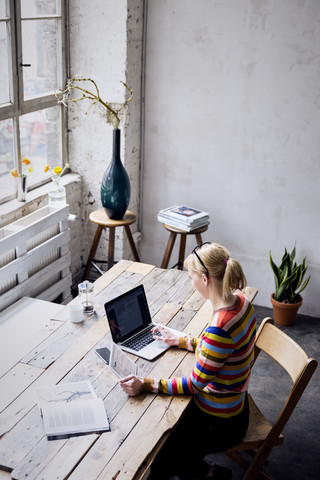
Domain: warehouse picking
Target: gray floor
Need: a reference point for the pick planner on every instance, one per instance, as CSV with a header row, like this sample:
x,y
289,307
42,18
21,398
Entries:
x,y
299,456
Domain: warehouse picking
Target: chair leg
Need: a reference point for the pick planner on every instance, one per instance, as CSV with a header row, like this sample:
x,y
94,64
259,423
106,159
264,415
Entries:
x,y
131,242
169,248
254,468
182,250
111,238
199,238
92,253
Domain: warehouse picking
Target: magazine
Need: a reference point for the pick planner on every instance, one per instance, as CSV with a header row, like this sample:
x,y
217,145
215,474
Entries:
x,y
184,214
70,409
183,226
184,217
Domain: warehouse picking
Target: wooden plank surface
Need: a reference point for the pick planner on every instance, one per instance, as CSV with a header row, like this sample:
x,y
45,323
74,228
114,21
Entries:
x,y
23,404
13,383
108,445
116,407
22,327
66,353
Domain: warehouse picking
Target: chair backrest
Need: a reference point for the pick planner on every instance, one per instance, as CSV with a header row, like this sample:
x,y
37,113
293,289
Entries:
x,y
287,353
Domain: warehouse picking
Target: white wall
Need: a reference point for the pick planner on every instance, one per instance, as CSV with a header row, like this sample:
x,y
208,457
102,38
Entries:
x,y
105,44
232,127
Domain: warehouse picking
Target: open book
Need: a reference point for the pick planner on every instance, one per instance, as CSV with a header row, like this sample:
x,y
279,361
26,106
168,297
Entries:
x,y
71,409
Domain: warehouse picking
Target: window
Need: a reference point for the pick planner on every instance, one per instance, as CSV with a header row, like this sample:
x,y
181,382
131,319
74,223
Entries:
x,y
32,70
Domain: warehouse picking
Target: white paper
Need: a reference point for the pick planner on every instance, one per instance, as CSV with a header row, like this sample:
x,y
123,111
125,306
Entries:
x,y
75,417
71,408
120,363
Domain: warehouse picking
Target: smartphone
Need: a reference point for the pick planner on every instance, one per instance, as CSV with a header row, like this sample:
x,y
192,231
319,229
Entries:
x,y
104,354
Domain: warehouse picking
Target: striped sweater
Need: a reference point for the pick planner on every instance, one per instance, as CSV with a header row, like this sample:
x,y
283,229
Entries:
x,y
224,356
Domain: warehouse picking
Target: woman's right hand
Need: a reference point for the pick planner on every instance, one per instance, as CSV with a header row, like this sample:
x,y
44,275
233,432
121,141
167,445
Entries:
x,y
167,336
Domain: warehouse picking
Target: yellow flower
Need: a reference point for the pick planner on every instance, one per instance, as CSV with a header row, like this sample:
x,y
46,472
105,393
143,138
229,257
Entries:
x,y
30,169
14,173
46,168
25,161
57,170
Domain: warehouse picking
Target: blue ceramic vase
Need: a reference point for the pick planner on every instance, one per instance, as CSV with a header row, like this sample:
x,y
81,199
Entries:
x,y
115,186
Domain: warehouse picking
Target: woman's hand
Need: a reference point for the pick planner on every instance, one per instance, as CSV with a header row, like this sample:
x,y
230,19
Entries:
x,y
167,336
131,385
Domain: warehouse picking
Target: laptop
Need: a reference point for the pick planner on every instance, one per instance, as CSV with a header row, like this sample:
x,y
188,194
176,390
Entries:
x,y
130,324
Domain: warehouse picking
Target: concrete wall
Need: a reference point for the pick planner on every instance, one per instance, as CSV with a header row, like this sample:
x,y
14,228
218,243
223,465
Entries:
x,y
105,40
232,127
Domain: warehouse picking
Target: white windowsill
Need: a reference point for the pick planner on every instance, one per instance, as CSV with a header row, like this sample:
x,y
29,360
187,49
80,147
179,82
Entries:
x,y
35,199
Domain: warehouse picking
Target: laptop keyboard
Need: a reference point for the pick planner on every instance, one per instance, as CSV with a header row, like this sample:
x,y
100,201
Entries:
x,y
140,340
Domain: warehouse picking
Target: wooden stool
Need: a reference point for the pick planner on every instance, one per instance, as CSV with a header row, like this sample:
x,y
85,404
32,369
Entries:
x,y
103,221
183,237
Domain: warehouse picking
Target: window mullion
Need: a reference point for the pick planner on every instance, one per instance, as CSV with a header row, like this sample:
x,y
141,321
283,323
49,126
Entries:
x,y
16,143
19,55
9,109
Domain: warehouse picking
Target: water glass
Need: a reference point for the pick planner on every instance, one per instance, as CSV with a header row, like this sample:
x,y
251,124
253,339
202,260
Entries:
x,y
86,297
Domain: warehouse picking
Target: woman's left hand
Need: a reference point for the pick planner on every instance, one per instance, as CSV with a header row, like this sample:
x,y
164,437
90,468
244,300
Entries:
x,y
131,385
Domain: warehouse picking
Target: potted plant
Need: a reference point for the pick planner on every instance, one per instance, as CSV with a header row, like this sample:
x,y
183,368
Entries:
x,y
286,298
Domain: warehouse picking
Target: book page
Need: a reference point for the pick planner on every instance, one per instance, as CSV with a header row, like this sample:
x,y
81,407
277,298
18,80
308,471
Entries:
x,y
75,417
65,393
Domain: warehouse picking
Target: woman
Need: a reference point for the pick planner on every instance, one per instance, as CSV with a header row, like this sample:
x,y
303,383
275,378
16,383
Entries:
x,y
218,417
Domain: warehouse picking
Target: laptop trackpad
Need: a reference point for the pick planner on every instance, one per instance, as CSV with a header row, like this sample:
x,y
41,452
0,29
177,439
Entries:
x,y
153,349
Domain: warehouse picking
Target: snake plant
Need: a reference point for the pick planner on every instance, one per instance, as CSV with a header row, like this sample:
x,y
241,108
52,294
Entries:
x,y
288,278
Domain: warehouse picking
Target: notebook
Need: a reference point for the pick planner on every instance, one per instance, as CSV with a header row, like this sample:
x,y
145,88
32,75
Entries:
x,y
130,324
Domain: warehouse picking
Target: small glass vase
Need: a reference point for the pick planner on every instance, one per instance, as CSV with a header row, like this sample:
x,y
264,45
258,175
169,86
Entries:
x,y
22,188
57,195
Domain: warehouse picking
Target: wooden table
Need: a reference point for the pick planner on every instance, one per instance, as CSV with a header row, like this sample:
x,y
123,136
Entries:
x,y
39,346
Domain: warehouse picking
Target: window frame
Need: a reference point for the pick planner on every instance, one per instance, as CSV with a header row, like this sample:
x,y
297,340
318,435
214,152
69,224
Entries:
x,y
19,106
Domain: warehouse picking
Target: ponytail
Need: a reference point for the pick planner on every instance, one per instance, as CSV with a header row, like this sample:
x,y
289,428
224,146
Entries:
x,y
233,277
220,265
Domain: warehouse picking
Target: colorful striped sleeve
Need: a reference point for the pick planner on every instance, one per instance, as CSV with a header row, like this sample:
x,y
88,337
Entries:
x,y
188,343
212,350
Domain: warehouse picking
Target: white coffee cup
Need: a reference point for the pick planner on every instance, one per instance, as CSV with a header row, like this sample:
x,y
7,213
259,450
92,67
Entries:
x,y
75,313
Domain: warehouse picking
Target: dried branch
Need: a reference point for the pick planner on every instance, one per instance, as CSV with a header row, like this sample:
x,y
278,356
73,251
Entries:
x,y
73,85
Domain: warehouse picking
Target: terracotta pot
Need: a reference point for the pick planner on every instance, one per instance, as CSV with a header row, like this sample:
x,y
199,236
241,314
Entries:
x,y
285,313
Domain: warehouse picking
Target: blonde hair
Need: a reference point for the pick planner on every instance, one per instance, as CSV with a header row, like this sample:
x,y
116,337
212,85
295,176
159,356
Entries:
x,y
220,266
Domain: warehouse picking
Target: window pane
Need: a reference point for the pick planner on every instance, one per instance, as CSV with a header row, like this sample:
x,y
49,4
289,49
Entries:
x,y
39,48
7,185
33,8
4,71
3,11
40,141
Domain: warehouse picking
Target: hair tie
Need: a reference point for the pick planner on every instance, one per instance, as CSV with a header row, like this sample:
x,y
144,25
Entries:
x,y
226,260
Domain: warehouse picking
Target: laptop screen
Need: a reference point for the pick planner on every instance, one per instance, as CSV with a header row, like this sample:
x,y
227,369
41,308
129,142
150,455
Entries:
x,y
127,314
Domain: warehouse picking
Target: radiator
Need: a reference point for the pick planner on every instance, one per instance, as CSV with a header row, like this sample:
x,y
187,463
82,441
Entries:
x,y
35,257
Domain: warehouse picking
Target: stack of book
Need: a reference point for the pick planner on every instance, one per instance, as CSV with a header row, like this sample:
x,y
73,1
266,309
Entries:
x,y
183,217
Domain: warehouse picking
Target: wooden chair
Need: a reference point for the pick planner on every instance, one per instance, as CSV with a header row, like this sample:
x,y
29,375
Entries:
x,y
261,436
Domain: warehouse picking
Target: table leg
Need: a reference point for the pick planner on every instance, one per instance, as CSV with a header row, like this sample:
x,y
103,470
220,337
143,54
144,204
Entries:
x,y
92,253
169,248
182,250
131,242
112,231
